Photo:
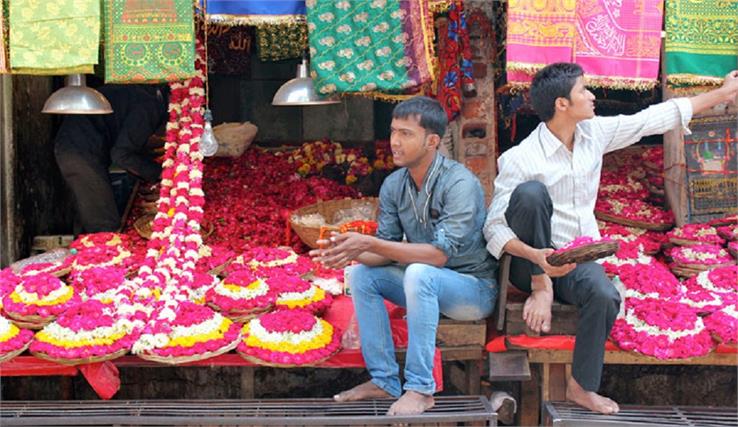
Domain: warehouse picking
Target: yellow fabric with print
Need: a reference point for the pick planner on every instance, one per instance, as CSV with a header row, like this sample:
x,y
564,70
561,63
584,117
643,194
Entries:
x,y
54,37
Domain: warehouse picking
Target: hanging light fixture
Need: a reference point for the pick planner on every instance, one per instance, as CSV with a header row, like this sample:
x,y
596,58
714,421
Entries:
x,y
77,98
299,91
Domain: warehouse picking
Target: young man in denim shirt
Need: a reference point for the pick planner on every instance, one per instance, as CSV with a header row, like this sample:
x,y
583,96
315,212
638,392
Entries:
x,y
441,267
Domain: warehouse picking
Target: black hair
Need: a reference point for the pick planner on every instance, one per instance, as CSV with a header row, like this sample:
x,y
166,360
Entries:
x,y
427,111
550,83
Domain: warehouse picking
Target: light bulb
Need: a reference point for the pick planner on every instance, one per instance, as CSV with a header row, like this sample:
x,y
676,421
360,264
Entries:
x,y
208,144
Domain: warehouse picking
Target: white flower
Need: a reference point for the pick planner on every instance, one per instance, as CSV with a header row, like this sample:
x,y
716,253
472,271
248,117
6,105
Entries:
x,y
361,17
343,29
385,51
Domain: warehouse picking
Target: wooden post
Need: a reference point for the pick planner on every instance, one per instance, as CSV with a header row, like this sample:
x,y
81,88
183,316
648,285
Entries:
x,y
530,398
8,244
247,383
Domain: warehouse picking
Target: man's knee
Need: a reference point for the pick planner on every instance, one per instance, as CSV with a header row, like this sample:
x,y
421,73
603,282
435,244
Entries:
x,y
418,279
530,196
602,293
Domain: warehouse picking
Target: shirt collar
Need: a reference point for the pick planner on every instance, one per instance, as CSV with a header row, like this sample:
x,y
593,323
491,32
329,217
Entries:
x,y
551,143
431,175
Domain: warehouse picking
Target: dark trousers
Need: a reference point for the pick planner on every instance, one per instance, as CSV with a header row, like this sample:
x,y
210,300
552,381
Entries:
x,y
587,286
93,193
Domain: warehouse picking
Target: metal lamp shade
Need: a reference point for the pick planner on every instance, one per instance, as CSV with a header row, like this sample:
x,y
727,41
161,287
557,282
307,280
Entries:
x,y
77,98
299,91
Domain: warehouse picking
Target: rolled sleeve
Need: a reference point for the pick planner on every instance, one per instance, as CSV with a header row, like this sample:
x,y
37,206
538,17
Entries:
x,y
496,231
462,201
388,221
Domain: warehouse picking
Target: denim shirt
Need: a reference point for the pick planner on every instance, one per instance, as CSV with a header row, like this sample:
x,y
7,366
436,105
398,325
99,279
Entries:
x,y
448,212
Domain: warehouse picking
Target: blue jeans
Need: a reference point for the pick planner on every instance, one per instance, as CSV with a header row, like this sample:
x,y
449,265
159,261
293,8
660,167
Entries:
x,y
425,291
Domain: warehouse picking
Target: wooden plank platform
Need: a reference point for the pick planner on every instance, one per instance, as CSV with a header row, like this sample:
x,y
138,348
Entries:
x,y
467,410
565,414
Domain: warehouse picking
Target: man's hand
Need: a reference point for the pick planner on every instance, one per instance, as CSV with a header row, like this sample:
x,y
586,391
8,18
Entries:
x,y
338,251
539,257
731,85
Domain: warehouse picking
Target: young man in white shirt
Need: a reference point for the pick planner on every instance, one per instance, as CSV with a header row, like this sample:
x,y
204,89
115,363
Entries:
x,y
544,197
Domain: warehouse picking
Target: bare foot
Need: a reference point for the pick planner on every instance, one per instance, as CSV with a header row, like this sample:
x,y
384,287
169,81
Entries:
x,y
367,390
537,308
589,399
411,403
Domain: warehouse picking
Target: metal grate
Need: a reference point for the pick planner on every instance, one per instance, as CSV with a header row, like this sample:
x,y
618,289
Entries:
x,y
462,410
571,415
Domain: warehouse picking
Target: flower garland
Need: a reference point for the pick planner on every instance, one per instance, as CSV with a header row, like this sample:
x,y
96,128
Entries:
x,y
241,293
695,234
288,337
700,255
89,331
662,329
12,338
39,299
723,324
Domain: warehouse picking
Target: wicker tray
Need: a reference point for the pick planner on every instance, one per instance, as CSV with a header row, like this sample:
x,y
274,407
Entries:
x,y
243,316
732,252
30,322
727,235
194,358
83,361
143,227
583,253
685,271
309,234
685,242
7,356
632,223
257,361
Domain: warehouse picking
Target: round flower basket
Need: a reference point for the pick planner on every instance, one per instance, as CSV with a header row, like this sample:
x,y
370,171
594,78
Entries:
x,y
177,360
584,253
685,242
82,361
733,250
241,316
309,234
32,321
143,227
261,362
633,223
11,354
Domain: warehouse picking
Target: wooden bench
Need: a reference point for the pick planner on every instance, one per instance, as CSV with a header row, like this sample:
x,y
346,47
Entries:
x,y
565,414
449,410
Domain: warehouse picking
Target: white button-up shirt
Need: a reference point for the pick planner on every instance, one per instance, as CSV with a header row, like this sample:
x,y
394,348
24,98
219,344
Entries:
x,y
572,177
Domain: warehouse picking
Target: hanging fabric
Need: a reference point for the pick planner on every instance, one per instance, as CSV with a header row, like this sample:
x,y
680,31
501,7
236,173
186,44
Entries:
x,y
378,46
281,41
229,49
701,41
53,38
455,60
619,43
255,12
149,41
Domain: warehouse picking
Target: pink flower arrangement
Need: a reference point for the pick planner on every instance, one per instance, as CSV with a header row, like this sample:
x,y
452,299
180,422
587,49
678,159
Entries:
x,y
97,280
627,254
700,255
289,337
634,210
216,257
12,338
90,329
101,256
652,280
616,184
696,233
729,232
41,295
43,267
8,281
723,323
628,236
662,329
726,220
241,292
296,293
86,241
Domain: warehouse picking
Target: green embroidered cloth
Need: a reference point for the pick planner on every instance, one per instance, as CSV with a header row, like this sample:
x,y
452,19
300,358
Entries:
x,y
54,37
149,41
701,40
370,45
281,41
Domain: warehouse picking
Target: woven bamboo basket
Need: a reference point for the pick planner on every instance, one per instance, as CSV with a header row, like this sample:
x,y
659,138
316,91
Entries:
x,y
732,252
82,361
685,242
257,361
328,209
583,253
241,316
170,360
30,322
143,227
7,356
632,223
727,235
